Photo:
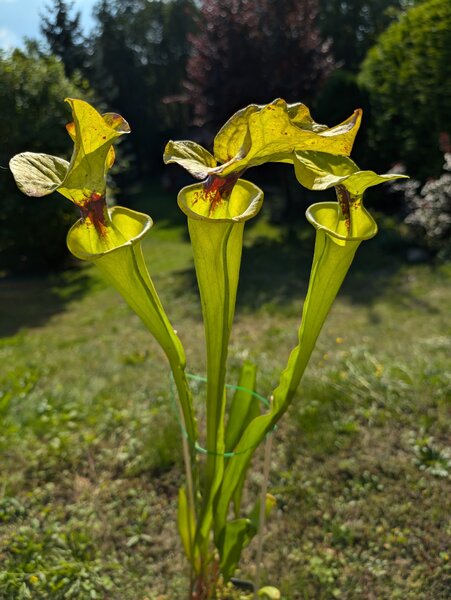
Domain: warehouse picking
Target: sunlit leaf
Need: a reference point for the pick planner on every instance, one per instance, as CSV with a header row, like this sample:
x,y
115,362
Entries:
x,y
119,257
187,526
86,179
38,174
244,406
83,180
191,156
235,537
111,156
321,170
271,133
260,134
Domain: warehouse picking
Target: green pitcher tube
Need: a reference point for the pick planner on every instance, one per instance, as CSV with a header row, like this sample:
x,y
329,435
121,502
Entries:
x,y
124,268
334,253
216,229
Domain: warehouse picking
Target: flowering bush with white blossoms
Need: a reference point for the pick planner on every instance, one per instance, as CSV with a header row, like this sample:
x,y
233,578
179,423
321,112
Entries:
x,y
429,208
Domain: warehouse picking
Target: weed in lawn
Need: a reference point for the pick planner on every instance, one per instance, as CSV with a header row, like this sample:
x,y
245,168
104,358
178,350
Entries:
x,y
428,457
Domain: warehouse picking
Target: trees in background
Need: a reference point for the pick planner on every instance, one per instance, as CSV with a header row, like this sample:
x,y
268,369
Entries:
x,y
354,26
33,85
138,58
166,64
64,35
252,51
407,75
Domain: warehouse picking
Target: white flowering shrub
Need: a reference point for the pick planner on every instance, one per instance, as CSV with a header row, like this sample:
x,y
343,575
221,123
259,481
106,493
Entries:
x,y
429,209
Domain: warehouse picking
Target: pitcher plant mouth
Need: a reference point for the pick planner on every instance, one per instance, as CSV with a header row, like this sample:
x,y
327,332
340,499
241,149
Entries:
x,y
327,216
126,228
242,203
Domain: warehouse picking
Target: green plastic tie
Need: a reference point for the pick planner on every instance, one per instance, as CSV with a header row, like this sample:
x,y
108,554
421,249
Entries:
x,y
229,386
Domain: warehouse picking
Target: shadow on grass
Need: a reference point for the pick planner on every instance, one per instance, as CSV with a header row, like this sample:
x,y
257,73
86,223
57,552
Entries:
x,y
275,269
30,301
275,272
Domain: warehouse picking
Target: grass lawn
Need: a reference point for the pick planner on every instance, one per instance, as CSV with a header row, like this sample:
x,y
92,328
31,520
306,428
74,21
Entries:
x,y
90,446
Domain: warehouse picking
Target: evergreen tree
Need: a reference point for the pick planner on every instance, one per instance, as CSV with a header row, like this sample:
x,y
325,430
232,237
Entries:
x,y
64,35
354,25
139,55
407,76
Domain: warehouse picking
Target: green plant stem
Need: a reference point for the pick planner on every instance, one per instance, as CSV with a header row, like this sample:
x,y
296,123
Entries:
x,y
217,272
262,515
190,468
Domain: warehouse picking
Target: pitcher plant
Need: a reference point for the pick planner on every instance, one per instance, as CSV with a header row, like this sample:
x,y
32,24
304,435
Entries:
x,y
214,525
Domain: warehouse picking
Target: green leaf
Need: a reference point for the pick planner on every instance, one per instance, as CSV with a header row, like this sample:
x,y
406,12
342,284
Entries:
x,y
94,135
236,536
191,156
260,134
322,170
244,406
38,174
83,180
109,119
357,183
271,133
217,245
122,264
186,521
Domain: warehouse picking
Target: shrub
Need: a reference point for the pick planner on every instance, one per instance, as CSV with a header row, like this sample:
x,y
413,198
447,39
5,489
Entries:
x,y
430,209
33,118
408,77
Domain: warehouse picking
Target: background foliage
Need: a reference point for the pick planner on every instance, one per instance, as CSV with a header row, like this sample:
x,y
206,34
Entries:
x,y
33,86
252,51
429,213
171,66
408,78
353,26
